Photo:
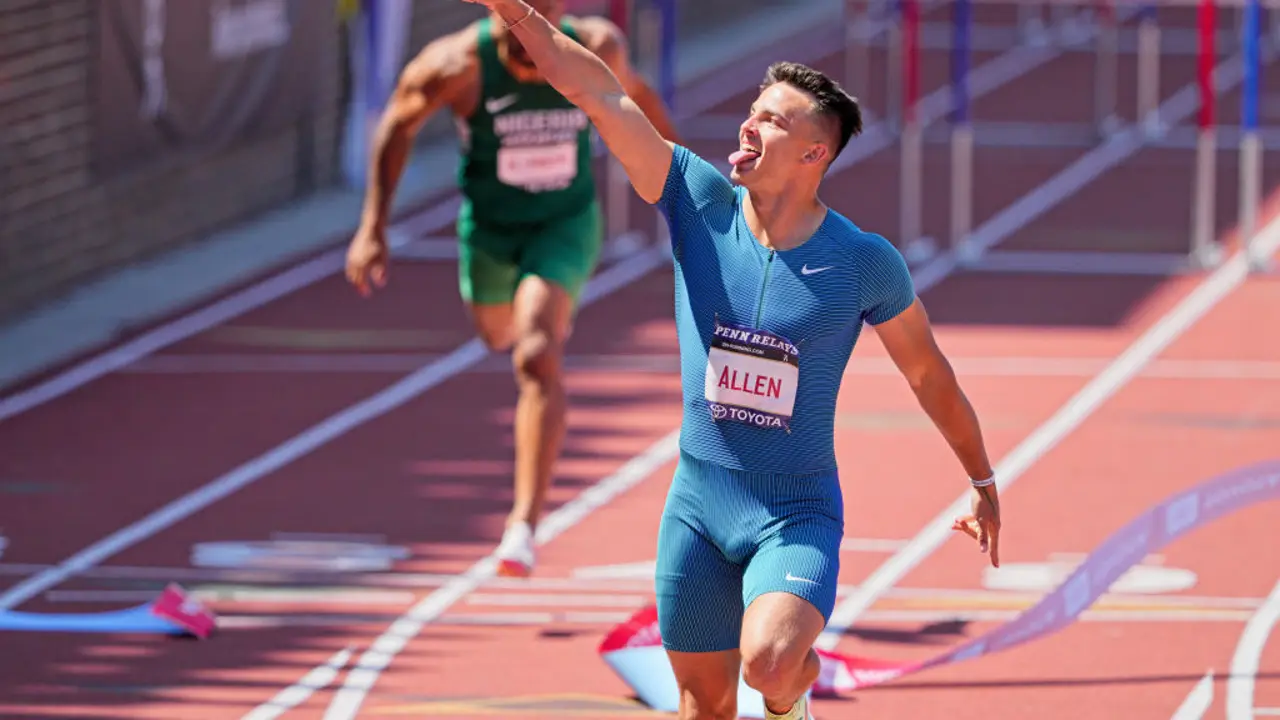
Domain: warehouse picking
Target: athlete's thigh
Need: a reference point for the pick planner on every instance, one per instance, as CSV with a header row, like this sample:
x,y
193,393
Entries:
x,y
488,271
800,557
565,251
699,591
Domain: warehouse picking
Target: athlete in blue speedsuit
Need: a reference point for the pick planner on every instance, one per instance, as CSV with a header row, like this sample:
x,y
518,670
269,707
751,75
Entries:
x,y
772,291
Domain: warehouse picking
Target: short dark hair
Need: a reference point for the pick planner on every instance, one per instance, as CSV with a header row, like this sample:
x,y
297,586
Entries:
x,y
832,101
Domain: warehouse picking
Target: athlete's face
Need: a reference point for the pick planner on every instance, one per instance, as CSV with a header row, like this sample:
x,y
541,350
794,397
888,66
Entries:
x,y
552,10
781,136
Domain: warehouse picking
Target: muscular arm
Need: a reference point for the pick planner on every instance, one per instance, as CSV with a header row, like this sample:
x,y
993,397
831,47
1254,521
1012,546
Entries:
x,y
910,342
606,40
428,83
587,81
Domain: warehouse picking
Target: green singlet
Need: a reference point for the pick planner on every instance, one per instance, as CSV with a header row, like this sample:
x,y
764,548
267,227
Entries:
x,y
529,196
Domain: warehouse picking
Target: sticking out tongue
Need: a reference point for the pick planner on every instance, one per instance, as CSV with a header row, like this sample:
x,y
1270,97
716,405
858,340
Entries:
x,y
743,156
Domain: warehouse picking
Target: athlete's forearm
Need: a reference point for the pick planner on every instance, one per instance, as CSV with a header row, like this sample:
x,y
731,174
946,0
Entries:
x,y
573,70
945,403
392,142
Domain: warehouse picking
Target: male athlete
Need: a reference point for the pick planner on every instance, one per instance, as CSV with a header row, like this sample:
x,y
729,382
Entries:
x,y
772,290
530,227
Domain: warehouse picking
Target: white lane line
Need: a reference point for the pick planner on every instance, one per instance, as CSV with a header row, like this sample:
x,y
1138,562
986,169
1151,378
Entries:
x,y
1198,701
1248,655
395,395
348,699
1084,403
291,697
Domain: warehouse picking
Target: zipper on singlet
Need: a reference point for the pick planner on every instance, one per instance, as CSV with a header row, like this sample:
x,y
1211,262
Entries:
x,y
764,284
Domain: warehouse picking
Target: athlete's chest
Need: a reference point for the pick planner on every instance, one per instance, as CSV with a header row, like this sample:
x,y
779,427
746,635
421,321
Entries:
x,y
805,296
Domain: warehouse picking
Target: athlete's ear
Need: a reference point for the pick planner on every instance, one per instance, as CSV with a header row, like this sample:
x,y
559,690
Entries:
x,y
817,153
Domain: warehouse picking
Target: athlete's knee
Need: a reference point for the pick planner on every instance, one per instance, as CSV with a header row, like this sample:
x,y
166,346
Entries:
x,y
537,357
771,667
777,639
494,326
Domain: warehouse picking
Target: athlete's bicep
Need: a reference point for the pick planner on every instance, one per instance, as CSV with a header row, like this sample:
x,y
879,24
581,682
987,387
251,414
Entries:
x,y
908,339
639,147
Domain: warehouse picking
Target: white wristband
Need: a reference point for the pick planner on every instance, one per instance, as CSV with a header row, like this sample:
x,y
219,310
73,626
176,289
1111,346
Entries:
x,y
983,483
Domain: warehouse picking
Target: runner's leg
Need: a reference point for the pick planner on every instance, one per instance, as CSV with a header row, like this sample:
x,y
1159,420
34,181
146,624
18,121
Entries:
x,y
790,591
699,591
555,264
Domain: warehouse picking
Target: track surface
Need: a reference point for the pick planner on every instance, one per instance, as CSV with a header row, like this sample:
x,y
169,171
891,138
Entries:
x,y
429,477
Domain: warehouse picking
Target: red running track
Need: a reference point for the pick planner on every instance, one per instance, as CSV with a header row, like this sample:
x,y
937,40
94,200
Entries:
x,y
427,481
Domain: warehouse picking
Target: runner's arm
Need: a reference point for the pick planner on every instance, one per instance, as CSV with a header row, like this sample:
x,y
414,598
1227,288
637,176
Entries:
x,y
586,80
909,341
606,40
428,83
903,326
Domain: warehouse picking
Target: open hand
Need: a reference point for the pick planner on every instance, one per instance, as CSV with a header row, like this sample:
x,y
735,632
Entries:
x,y
983,521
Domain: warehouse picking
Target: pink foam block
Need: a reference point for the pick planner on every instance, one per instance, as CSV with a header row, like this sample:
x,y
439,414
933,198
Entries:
x,y
184,611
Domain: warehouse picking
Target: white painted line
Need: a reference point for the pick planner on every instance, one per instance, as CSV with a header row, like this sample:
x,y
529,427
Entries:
x,y
273,288
631,571
557,600
1248,654
1198,701
427,377
296,596
871,545
1266,712
296,694
1084,367
347,701
1084,403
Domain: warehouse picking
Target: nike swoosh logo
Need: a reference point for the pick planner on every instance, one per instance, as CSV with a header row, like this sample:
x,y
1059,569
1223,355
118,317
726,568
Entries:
x,y
497,105
806,270
793,578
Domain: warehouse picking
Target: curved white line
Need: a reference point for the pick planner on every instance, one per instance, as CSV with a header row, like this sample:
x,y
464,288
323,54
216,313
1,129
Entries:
x,y
1244,663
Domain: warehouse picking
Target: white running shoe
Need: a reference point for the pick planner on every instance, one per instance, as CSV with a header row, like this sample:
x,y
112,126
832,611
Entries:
x,y
515,553
799,711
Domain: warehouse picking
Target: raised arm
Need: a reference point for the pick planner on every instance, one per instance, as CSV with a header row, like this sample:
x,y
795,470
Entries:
x,y
428,83
606,40
587,81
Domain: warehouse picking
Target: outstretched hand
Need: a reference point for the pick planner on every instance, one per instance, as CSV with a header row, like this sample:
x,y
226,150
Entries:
x,y
983,521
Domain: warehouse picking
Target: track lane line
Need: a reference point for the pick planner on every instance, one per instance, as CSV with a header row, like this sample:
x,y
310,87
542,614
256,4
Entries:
x,y
1248,653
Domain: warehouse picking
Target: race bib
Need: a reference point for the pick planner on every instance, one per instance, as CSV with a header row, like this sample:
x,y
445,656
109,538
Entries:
x,y
752,376
539,167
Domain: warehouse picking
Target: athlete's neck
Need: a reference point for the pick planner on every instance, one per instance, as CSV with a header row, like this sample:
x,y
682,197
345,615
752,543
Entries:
x,y
783,221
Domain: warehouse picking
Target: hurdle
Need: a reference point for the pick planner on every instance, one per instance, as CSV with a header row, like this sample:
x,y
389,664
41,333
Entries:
x,y
1067,29
1148,128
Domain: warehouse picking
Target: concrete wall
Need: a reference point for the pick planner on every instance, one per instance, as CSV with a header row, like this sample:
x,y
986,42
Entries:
x,y
59,225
